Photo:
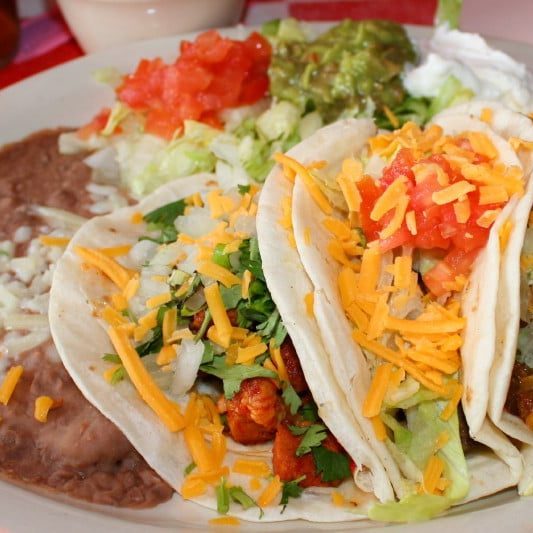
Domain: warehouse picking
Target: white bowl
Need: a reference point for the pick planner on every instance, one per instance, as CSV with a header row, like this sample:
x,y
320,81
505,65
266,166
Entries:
x,y
99,24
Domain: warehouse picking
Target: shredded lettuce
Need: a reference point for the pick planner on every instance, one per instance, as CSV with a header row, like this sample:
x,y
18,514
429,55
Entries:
x,y
449,12
284,30
413,508
525,345
452,92
118,114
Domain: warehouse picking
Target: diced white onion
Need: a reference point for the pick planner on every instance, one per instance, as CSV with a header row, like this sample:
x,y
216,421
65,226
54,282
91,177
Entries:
x,y
142,252
196,223
22,234
186,367
26,321
104,165
16,344
59,218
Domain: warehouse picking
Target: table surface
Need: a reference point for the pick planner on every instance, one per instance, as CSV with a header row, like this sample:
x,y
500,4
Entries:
x,y
46,40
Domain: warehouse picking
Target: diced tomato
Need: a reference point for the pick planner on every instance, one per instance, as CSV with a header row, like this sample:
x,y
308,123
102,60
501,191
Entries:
x,y
435,278
369,192
437,227
421,195
401,165
211,74
401,237
96,125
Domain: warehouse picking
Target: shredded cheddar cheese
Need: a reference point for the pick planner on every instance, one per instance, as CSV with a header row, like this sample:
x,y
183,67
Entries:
x,y
166,410
218,273
43,404
307,178
113,270
136,218
486,115
378,389
271,492
218,312
224,521
249,467
246,280
10,382
432,474
49,240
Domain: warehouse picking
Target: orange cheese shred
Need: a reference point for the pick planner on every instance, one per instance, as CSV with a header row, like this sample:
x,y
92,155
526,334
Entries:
x,y
118,274
377,391
166,410
270,493
432,474
10,382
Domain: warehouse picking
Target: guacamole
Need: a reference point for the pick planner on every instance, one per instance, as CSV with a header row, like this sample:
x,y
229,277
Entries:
x,y
352,67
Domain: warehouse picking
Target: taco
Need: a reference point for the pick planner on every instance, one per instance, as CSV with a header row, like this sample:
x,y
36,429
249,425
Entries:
x,y
399,234
162,316
510,398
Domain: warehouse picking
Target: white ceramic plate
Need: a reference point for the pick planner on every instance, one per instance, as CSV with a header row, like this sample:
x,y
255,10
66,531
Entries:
x,y
68,96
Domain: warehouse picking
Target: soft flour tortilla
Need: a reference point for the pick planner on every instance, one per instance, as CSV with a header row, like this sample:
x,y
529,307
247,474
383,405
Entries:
x,y
81,340
497,364
288,284
508,124
488,474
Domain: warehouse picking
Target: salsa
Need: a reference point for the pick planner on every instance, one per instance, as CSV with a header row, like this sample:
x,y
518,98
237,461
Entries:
x,y
447,210
344,70
212,73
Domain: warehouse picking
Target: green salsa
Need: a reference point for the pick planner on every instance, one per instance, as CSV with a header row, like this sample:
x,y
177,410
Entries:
x,y
352,67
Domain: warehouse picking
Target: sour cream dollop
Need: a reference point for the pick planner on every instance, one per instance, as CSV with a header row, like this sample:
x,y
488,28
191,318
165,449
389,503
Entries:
x,y
491,74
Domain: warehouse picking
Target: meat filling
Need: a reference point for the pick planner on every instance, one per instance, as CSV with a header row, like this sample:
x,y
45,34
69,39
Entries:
x,y
289,466
520,396
292,364
254,412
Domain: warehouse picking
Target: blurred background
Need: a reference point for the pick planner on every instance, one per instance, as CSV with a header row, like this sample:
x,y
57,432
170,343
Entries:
x,y
39,34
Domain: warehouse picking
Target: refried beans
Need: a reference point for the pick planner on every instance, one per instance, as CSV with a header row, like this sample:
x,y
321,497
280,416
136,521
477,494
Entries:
x,y
77,452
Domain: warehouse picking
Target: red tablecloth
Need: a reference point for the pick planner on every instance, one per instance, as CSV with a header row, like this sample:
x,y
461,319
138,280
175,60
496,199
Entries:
x,y
46,40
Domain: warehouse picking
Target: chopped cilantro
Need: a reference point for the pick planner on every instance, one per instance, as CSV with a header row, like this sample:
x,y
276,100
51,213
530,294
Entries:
x,y
168,234
273,328
208,354
220,257
118,375
222,493
166,214
185,312
291,489
203,328
189,468
332,466
153,345
234,375
309,411
231,296
128,314
314,435
250,258
162,219
193,285
238,495
243,189
178,277
291,398
298,430
111,358
362,237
